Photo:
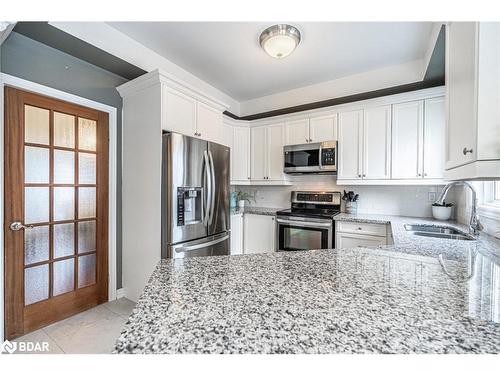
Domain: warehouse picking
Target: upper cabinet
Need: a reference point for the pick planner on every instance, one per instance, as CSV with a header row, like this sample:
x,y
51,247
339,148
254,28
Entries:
x,y
209,123
434,137
349,148
316,129
377,143
179,112
473,94
267,153
240,155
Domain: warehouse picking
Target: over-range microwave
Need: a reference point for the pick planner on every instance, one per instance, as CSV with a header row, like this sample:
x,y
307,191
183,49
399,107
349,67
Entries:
x,y
318,158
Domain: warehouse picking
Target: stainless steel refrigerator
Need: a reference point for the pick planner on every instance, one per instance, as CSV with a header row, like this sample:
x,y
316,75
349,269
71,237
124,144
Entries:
x,y
195,197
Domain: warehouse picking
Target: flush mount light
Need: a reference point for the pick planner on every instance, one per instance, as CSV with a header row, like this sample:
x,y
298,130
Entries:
x,y
279,40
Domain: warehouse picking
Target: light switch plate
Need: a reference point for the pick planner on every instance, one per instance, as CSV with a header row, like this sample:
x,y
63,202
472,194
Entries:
x,y
431,196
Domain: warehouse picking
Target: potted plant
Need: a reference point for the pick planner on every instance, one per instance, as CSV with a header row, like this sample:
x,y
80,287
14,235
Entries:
x,y
441,211
242,196
351,202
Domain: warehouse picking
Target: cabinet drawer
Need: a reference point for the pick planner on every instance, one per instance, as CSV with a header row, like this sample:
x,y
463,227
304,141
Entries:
x,y
349,241
362,228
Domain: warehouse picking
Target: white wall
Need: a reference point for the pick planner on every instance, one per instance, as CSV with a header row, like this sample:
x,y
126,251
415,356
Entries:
x,y
389,200
353,84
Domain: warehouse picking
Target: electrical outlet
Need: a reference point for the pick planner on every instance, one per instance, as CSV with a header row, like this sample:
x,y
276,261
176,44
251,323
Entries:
x,y
431,196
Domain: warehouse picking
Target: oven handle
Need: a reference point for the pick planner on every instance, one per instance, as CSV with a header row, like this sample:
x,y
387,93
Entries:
x,y
305,224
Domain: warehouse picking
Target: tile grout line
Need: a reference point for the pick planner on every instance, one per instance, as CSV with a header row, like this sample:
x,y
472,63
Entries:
x,y
53,340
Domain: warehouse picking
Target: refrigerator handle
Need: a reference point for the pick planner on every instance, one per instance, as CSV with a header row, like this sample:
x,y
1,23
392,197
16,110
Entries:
x,y
212,197
207,198
183,247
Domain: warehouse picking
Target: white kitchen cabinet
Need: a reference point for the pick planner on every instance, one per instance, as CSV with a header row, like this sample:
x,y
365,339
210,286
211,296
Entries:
x,y
274,143
208,123
240,167
352,234
258,153
180,112
407,139
349,147
323,129
297,132
227,135
236,234
259,233
434,137
473,94
376,154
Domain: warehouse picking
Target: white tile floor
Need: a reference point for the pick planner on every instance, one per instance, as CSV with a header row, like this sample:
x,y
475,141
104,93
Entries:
x,y
91,332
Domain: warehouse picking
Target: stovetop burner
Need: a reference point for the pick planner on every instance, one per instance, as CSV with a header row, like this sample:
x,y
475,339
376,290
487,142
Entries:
x,y
317,213
312,204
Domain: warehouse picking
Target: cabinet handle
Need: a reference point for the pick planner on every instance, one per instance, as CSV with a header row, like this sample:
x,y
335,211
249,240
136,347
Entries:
x,y
364,175
465,151
359,175
359,228
248,178
307,140
310,140
425,174
419,175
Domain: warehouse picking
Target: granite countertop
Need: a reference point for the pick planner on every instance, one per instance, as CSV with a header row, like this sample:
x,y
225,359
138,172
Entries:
x,y
362,300
407,242
255,210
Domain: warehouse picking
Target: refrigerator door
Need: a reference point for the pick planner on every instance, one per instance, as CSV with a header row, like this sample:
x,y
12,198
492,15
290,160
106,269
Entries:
x,y
218,219
212,245
186,187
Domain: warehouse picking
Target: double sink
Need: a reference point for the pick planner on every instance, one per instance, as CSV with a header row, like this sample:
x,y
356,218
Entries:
x,y
438,232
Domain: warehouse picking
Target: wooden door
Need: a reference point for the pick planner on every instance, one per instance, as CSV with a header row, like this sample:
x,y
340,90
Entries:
x,y
275,161
56,210
297,132
407,139
322,129
350,133
434,136
377,143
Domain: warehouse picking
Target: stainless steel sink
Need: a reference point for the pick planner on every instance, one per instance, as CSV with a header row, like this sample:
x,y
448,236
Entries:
x,y
438,232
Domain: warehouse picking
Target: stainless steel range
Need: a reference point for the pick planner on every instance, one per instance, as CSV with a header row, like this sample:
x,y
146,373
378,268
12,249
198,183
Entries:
x,y
309,223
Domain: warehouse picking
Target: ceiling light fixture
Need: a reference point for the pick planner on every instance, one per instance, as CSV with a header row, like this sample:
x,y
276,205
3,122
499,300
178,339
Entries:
x,y
279,40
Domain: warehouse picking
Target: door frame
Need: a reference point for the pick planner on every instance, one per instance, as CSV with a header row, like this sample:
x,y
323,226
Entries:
x,y
22,84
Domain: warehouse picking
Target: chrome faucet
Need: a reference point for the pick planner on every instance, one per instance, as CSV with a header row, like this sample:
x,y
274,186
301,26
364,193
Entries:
x,y
474,226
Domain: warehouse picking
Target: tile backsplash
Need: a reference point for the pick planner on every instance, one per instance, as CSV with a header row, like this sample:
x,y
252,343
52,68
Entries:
x,y
388,200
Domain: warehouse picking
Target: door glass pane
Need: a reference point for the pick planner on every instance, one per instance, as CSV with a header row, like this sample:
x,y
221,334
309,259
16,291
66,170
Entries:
x,y
86,202
86,236
87,135
64,130
64,167
86,168
64,279
36,165
64,203
36,284
36,205
64,240
36,245
86,270
36,125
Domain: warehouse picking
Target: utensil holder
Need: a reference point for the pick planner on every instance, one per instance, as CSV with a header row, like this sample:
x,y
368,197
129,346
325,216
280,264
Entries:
x,y
351,207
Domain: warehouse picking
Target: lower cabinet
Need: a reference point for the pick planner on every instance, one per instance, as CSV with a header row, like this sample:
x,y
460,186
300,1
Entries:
x,y
236,234
352,234
259,233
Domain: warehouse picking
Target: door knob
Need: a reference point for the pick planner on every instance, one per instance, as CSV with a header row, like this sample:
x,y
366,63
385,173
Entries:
x,y
465,151
17,225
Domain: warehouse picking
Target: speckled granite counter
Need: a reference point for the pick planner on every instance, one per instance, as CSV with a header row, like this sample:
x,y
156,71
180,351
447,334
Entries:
x,y
255,210
321,301
407,242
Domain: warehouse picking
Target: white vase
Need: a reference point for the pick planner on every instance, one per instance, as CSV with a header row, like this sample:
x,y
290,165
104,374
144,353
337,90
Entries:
x,y
241,204
441,213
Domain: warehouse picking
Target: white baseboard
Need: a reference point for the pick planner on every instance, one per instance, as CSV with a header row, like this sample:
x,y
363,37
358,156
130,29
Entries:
x,y
120,293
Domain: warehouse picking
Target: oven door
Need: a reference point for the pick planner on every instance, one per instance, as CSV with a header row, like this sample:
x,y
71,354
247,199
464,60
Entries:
x,y
298,233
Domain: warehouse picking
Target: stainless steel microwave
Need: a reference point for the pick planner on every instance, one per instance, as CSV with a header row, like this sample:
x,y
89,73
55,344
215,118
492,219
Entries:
x,y
311,158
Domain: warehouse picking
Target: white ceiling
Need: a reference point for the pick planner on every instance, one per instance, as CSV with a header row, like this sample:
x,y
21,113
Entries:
x,y
227,55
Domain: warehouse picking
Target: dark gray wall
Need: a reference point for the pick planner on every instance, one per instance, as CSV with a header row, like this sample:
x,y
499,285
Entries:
x,y
28,59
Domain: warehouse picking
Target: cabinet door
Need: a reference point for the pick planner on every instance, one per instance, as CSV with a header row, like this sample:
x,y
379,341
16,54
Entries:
x,y
258,151
240,167
297,132
434,135
180,112
258,234
323,129
236,234
460,82
407,134
347,240
227,135
377,143
209,123
349,150
275,161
